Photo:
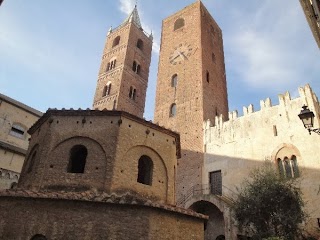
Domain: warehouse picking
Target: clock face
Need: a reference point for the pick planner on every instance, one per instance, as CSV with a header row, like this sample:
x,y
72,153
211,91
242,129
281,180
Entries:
x,y
180,53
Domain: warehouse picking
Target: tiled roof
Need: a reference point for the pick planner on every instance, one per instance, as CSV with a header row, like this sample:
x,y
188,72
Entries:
x,y
133,17
91,196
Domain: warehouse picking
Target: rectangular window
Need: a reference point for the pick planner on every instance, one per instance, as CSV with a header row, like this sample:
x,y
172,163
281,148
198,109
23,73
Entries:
x,y
17,131
216,182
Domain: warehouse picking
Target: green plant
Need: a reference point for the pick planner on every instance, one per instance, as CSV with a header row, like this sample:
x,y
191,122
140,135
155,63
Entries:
x,y
269,206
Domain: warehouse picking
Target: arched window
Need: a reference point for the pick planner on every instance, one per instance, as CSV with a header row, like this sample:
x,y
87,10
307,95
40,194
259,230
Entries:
x,y
287,167
173,110
38,237
174,80
134,66
294,166
140,44
132,93
179,23
116,41
221,237
280,167
145,169
138,69
208,76
107,89
111,65
31,161
287,161
77,160
17,130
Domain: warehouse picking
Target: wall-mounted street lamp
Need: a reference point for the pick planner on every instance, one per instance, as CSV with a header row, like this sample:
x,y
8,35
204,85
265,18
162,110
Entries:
x,y
307,118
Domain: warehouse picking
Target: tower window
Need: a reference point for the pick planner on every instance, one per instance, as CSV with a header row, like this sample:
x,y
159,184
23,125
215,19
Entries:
x,y
17,130
208,76
116,41
136,67
132,93
173,110
77,160
174,80
107,89
111,65
179,23
140,44
145,169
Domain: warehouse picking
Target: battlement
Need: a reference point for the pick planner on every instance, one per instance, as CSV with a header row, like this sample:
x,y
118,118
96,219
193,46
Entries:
x,y
306,94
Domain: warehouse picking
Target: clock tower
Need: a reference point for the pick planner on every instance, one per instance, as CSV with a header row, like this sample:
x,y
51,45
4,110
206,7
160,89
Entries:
x,y
191,85
124,70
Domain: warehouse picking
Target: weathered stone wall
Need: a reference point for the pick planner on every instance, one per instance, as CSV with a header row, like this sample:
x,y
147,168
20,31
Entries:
x,y
71,219
239,145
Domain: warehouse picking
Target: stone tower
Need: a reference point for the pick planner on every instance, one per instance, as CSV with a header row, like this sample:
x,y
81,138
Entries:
x,y
123,75
191,85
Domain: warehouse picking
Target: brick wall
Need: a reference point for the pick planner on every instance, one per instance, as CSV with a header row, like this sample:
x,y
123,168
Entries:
x,y
70,219
195,98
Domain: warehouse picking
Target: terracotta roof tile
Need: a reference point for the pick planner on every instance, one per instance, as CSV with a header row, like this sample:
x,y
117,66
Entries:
x,y
113,198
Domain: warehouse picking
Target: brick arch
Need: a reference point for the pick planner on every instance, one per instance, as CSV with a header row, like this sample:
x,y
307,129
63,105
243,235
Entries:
x,y
216,225
132,156
217,201
294,150
57,160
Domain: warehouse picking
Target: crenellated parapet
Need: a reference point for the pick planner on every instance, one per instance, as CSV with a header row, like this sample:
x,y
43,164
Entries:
x,y
269,116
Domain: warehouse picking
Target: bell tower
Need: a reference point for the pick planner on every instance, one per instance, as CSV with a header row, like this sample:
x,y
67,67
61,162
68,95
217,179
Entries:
x,y
191,85
124,70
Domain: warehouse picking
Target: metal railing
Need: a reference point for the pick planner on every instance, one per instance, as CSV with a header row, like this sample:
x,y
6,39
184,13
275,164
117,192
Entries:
x,y
207,189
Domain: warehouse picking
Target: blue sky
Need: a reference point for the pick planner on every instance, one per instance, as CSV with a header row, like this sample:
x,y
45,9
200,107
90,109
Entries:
x,y
50,51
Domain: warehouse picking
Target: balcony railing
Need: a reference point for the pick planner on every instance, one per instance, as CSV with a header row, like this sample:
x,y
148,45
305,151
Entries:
x,y
206,189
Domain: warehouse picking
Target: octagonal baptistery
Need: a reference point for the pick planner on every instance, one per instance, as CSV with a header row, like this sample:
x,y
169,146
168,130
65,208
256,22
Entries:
x,y
94,174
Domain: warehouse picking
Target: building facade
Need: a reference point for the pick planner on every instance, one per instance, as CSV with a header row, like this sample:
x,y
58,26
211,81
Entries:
x,y
123,75
80,184
15,119
311,10
219,149
191,84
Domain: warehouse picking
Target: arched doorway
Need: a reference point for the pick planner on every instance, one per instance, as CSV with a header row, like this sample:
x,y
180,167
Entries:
x,y
214,228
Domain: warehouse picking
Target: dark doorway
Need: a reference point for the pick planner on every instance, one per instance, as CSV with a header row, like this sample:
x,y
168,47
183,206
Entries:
x,y
214,228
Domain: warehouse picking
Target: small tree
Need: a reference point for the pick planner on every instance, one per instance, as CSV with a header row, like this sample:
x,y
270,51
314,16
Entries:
x,y
270,206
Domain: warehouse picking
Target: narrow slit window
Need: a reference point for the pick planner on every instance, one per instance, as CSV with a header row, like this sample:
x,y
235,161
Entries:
x,y
173,110
174,80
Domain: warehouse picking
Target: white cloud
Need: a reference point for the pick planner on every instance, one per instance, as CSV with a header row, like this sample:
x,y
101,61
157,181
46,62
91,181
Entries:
x,y
266,45
126,6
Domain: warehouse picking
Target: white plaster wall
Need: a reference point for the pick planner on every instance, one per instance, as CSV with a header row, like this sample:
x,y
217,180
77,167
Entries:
x,y
243,143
